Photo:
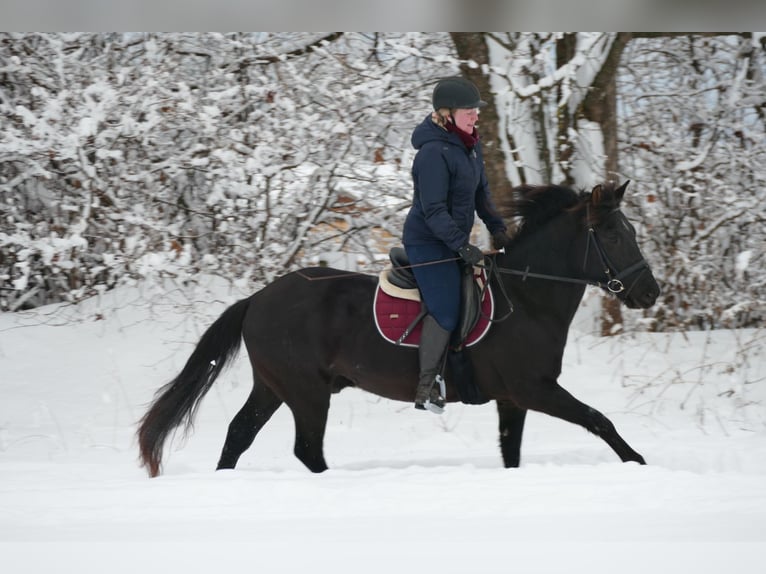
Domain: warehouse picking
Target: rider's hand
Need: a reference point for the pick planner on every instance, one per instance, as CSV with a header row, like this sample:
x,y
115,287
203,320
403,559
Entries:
x,y
500,240
471,254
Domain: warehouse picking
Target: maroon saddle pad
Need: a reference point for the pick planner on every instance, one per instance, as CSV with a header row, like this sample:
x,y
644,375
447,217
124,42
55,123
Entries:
x,y
396,309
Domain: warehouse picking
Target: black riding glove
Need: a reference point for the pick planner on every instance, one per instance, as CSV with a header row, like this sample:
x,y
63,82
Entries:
x,y
471,254
500,240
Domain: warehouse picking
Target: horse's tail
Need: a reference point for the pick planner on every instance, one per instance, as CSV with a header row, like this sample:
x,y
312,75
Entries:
x,y
177,401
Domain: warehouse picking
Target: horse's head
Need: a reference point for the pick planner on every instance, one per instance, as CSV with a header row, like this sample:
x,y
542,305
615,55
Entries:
x,y
612,255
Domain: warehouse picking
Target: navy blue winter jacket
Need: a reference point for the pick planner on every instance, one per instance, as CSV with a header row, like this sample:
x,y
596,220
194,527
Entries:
x,y
449,186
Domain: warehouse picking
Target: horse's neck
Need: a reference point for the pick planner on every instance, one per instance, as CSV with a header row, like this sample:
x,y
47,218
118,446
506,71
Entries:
x,y
552,248
555,251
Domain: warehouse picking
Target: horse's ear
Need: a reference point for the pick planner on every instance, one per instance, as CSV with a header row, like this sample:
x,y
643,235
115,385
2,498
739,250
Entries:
x,y
620,191
595,194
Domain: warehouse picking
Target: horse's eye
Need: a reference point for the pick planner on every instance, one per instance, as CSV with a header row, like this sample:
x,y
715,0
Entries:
x,y
610,232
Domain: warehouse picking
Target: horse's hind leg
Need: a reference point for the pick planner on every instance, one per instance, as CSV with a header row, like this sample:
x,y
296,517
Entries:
x,y
257,410
310,414
552,399
511,419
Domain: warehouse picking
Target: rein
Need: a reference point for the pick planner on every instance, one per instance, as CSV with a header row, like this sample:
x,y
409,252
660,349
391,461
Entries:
x,y
613,284
614,279
344,274
527,273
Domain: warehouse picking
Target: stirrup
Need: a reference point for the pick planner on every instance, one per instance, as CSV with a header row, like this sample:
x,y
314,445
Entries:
x,y
436,397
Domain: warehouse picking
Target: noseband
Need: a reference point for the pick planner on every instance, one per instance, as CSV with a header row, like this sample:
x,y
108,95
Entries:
x,y
614,278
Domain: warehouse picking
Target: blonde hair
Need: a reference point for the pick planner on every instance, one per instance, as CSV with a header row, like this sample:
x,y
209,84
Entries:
x,y
440,117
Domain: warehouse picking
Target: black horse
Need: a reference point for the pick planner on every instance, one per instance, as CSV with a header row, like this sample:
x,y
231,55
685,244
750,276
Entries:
x,y
311,333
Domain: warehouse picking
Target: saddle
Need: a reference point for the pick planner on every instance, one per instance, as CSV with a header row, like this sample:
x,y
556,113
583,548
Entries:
x,y
399,312
399,309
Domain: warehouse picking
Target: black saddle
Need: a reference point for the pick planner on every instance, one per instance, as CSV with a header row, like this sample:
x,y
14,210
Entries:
x,y
401,273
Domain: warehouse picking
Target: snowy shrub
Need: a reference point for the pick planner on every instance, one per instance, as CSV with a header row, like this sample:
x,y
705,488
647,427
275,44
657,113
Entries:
x,y
242,155
694,139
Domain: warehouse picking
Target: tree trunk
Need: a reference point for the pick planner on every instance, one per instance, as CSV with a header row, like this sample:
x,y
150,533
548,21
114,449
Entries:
x,y
566,49
473,46
600,105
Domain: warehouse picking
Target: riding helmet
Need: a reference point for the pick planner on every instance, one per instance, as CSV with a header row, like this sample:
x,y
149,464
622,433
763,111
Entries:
x,y
456,92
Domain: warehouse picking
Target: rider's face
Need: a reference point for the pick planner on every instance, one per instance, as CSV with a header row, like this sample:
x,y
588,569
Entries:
x,y
466,119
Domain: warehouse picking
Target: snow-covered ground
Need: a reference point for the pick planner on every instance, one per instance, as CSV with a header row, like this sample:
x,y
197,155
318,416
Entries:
x,y
407,491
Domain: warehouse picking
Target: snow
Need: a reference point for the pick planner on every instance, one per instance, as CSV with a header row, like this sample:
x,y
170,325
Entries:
x,y
407,490
743,262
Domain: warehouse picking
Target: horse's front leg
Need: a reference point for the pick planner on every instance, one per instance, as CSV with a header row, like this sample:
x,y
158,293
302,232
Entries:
x,y
511,429
547,396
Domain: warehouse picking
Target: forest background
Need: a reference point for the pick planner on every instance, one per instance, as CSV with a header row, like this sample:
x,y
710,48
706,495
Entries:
x,y
139,157
148,180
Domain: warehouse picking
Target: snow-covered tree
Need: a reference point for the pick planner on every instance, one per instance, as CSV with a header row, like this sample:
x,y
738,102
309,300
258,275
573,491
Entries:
x,y
128,156
683,117
693,135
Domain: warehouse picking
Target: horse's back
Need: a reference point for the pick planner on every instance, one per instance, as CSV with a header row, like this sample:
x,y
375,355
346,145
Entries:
x,y
320,321
312,304
311,284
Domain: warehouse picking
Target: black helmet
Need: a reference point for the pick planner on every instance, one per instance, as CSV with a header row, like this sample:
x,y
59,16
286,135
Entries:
x,y
456,92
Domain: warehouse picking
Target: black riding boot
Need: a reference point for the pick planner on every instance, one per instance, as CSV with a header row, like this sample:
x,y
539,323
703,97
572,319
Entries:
x,y
433,344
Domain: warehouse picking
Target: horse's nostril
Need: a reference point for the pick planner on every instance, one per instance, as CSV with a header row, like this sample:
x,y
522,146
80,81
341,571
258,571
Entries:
x,y
651,296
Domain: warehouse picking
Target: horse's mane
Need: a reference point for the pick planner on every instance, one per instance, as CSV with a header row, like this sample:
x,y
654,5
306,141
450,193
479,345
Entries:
x,y
532,206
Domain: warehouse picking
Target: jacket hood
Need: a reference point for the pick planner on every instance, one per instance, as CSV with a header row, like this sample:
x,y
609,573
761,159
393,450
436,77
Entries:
x,y
427,131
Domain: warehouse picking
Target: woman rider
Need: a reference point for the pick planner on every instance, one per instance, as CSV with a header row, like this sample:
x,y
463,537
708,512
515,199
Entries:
x,y
450,184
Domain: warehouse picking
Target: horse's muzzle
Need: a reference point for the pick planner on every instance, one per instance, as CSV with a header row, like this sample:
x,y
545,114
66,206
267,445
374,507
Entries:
x,y
642,293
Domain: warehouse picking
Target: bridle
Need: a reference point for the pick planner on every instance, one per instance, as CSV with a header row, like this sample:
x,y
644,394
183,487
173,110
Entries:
x,y
614,282
614,279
